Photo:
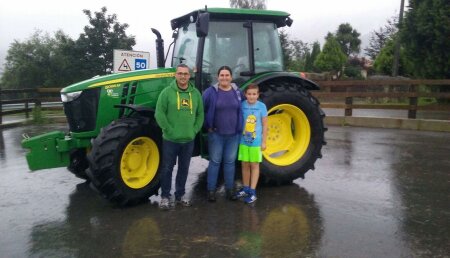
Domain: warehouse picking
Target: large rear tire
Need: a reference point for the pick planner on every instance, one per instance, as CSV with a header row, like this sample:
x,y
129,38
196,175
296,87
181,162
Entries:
x,y
295,131
124,161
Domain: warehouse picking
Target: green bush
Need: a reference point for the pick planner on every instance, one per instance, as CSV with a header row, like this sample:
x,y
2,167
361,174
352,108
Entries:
x,y
38,116
352,72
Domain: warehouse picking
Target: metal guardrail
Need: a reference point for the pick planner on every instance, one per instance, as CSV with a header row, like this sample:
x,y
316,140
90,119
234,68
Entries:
x,y
24,100
18,106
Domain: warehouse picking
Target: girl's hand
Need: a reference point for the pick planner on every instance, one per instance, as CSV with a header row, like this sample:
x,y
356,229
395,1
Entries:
x,y
263,146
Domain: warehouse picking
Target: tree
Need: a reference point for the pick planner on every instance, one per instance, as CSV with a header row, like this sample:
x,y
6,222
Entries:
x,y
379,38
36,62
284,40
383,62
348,39
58,61
332,58
95,46
294,52
309,62
300,51
425,37
248,4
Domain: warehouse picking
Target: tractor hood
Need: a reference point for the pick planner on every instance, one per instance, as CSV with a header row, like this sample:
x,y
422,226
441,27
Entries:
x,y
100,81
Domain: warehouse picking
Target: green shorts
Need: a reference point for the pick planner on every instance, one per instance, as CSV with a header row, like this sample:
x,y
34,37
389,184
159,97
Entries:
x,y
249,154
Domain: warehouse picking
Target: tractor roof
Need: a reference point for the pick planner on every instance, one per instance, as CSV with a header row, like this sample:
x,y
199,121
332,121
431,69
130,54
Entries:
x,y
278,17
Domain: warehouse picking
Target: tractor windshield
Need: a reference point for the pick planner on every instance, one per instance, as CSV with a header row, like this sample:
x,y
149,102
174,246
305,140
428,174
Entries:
x,y
227,44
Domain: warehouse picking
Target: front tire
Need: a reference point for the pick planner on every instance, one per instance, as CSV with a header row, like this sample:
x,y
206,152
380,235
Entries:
x,y
78,163
125,160
295,131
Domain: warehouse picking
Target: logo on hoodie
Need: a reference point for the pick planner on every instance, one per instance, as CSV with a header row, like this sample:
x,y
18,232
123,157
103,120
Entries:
x,y
185,103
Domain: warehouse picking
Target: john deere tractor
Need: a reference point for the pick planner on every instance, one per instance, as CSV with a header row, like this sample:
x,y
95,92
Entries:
x,y
114,140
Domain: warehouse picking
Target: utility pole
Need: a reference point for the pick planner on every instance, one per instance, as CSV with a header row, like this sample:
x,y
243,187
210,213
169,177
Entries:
x,y
397,42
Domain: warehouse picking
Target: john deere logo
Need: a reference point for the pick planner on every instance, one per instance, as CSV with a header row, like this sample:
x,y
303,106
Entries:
x,y
111,93
185,102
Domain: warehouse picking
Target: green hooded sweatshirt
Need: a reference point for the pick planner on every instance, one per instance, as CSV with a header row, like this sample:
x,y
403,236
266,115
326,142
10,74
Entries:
x,y
179,113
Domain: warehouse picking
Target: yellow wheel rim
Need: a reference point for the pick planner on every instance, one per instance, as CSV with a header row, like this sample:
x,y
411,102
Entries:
x,y
139,163
288,135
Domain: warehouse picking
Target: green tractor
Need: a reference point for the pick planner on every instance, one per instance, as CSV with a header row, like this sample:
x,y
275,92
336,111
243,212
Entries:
x,y
115,142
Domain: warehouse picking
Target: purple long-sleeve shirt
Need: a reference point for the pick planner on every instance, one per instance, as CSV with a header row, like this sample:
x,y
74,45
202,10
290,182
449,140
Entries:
x,y
210,99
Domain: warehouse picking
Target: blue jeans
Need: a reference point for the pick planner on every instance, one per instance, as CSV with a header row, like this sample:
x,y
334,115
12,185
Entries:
x,y
222,148
170,152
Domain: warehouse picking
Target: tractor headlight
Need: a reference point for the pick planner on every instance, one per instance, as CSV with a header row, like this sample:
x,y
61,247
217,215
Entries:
x,y
67,97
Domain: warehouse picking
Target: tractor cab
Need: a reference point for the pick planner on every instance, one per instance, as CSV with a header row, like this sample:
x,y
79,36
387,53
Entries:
x,y
245,40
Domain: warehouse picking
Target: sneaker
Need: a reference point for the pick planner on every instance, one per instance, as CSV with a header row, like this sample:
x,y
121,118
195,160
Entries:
x,y
211,196
251,196
164,204
241,193
250,199
231,195
183,201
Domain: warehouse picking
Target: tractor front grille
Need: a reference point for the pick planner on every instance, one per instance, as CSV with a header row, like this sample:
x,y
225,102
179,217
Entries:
x,y
81,113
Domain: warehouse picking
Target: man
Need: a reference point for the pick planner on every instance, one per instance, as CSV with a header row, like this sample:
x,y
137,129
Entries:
x,y
179,113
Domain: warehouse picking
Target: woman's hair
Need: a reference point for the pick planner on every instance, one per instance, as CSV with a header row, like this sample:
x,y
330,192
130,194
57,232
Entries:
x,y
225,67
252,86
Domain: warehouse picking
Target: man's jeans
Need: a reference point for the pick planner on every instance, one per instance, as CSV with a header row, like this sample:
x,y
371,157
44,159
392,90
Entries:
x,y
170,152
222,148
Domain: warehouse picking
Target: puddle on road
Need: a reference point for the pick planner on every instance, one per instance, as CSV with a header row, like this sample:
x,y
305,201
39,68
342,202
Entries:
x,y
376,192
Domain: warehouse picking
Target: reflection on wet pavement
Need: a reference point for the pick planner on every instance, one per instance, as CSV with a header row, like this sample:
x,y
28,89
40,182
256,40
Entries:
x,y
224,229
375,193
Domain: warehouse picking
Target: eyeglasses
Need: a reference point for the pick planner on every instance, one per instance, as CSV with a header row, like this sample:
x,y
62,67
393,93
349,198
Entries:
x,y
182,74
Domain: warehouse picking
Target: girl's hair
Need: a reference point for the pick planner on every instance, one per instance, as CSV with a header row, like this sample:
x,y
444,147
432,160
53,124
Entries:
x,y
225,67
252,86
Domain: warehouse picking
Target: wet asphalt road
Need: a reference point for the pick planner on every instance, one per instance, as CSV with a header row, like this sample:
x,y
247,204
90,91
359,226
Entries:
x,y
375,193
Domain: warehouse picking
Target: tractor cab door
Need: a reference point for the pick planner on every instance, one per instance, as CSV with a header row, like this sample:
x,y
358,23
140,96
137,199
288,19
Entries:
x,y
267,50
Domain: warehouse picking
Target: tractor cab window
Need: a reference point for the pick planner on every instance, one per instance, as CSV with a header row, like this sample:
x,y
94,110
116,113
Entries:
x,y
267,48
226,44
185,49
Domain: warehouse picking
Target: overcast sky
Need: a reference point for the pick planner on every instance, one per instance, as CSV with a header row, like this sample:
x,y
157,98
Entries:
x,y
312,19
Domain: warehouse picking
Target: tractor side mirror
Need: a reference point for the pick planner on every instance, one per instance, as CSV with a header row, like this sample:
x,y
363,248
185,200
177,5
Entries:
x,y
202,24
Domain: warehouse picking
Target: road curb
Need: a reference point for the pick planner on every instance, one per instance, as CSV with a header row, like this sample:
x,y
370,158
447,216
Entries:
x,y
393,123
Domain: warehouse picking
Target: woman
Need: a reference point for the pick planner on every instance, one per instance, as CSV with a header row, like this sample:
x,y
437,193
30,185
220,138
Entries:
x,y
223,117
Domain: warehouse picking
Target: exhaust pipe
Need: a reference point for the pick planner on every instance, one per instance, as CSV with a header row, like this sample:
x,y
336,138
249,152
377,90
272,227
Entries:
x,y
159,49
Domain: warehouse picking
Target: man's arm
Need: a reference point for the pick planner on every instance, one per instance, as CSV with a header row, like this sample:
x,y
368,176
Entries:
x,y
200,115
161,111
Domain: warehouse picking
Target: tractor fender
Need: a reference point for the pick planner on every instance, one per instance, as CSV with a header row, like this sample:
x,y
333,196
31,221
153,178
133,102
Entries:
x,y
284,76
